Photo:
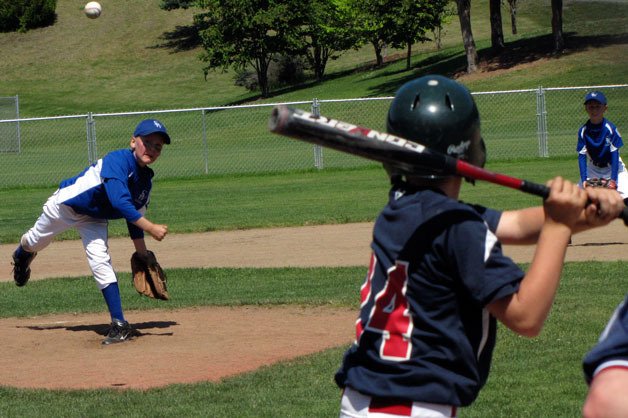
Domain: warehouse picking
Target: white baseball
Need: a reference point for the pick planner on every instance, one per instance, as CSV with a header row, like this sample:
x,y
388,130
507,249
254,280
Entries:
x,y
93,9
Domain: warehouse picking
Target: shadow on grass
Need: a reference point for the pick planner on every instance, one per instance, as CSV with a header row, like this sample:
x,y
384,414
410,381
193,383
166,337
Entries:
x,y
182,38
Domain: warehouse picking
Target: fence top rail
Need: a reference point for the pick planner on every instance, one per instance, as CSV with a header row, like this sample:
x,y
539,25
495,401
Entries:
x,y
586,87
199,109
301,102
43,118
358,99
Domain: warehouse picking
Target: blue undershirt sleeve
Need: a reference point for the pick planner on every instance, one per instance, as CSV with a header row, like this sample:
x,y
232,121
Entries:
x,y
582,163
615,165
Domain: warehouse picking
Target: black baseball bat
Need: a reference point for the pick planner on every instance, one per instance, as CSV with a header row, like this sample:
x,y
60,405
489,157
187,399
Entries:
x,y
407,155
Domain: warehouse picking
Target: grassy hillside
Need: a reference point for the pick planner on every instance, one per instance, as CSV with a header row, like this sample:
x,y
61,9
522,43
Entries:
x,y
136,57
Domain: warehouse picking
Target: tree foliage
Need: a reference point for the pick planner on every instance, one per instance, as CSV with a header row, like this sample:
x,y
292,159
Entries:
x,y
23,15
374,24
412,20
328,32
237,33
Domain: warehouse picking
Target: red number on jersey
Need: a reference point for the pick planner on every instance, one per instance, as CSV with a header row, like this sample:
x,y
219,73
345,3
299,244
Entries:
x,y
390,314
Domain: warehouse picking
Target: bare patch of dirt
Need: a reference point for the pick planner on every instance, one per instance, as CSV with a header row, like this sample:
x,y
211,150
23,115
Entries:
x,y
183,346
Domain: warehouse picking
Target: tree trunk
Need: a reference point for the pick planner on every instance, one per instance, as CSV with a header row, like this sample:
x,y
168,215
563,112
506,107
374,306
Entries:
x,y
513,16
379,59
409,56
557,25
497,33
438,38
318,67
261,67
464,14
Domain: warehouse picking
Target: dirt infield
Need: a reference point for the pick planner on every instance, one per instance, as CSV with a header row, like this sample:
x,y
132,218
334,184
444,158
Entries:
x,y
206,344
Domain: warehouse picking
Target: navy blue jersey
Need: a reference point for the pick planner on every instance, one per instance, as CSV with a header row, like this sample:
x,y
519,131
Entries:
x,y
612,347
600,143
114,187
423,333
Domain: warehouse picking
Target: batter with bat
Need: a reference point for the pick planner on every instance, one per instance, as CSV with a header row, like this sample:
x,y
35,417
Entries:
x,y
437,281
116,186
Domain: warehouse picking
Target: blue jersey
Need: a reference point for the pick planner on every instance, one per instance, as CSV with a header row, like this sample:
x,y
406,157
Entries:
x,y
612,347
423,333
114,187
600,143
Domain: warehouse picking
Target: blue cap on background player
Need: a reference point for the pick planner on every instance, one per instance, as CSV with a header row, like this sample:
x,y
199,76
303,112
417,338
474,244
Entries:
x,y
151,126
595,95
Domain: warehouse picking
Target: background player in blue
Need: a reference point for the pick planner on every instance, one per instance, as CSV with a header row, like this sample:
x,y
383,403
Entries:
x,y
116,186
598,147
606,369
438,281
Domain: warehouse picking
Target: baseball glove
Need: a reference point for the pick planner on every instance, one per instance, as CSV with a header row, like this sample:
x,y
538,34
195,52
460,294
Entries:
x,y
149,278
601,182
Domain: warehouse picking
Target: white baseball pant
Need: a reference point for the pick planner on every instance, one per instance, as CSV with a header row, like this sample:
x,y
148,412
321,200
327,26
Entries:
x,y
56,218
357,405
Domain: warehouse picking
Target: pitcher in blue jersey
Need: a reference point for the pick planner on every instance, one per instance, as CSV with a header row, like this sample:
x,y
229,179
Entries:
x,y
438,281
116,186
599,142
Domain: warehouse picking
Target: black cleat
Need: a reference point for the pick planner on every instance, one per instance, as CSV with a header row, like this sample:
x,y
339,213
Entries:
x,y
21,266
119,332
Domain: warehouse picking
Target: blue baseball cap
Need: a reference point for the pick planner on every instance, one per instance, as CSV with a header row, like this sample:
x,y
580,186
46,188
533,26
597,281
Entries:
x,y
151,126
595,95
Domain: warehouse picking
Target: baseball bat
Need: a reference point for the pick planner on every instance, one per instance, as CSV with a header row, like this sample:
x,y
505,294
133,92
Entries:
x,y
406,155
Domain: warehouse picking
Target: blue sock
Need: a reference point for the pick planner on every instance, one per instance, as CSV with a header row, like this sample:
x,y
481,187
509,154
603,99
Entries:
x,y
114,303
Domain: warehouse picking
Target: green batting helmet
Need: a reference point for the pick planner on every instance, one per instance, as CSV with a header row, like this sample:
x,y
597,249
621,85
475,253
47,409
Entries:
x,y
439,113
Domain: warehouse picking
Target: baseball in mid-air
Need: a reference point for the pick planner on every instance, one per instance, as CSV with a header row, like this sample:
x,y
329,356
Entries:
x,y
93,9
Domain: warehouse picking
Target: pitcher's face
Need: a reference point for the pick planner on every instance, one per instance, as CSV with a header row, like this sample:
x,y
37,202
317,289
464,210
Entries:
x,y
147,148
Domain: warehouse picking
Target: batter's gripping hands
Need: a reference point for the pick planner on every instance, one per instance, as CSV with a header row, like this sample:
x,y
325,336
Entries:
x,y
149,278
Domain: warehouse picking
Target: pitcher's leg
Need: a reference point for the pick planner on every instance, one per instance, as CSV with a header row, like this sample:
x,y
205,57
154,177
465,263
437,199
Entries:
x,y
94,234
54,219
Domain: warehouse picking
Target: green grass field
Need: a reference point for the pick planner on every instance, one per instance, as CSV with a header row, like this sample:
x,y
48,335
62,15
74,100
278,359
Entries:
x,y
121,62
278,200
538,377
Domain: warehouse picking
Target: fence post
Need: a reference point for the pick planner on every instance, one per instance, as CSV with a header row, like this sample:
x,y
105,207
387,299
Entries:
x,y
17,116
205,146
541,122
318,150
91,139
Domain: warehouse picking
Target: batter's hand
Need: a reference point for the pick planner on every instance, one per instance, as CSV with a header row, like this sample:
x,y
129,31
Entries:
x,y
604,206
565,202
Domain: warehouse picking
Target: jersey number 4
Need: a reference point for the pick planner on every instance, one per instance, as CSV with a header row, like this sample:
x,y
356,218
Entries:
x,y
390,315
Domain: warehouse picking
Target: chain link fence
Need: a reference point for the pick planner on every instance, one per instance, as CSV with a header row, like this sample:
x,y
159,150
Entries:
x,y
517,124
9,132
